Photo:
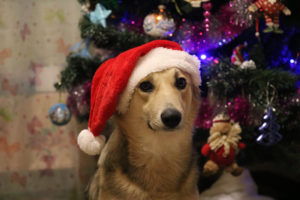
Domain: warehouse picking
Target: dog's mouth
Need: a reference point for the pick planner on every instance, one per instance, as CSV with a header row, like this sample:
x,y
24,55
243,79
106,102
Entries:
x,y
149,126
163,129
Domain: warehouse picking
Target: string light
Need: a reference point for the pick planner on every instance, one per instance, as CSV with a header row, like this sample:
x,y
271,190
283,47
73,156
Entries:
x,y
203,56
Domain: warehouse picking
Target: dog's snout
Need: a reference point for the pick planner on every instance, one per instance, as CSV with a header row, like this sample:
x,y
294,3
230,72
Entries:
x,y
171,118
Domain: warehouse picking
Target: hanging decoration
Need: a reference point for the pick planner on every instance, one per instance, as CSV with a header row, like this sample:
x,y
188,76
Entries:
x,y
79,99
85,8
81,49
99,15
242,16
159,24
222,146
59,113
269,134
237,58
196,3
271,10
237,54
207,7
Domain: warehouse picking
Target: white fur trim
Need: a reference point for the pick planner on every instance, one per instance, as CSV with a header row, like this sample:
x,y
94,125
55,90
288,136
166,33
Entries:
x,y
248,65
156,60
90,144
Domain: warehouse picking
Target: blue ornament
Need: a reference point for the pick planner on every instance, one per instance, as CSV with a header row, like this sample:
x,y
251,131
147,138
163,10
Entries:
x,y
269,130
99,15
81,49
59,114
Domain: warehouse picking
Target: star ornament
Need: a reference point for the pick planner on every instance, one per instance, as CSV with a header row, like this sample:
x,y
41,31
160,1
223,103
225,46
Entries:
x,y
99,15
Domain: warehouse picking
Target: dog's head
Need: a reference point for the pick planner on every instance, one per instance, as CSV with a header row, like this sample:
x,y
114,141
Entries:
x,y
163,101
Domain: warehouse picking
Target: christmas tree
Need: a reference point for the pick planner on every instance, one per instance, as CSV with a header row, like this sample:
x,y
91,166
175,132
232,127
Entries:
x,y
250,70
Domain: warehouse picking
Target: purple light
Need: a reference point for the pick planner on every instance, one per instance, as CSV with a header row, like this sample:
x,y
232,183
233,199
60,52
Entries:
x,y
220,44
292,61
203,56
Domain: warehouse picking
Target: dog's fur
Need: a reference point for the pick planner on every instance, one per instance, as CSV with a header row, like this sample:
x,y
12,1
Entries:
x,y
143,160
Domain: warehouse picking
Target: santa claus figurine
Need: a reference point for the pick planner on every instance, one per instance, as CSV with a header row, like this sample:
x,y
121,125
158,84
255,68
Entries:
x,y
222,146
271,10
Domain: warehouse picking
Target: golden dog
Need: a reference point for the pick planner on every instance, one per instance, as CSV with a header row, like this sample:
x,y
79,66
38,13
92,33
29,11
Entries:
x,y
149,155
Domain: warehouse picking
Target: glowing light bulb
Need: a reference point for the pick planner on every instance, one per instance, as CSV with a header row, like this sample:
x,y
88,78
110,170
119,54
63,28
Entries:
x,y
203,56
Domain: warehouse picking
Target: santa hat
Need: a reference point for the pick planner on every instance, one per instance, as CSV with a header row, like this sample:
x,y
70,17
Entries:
x,y
114,82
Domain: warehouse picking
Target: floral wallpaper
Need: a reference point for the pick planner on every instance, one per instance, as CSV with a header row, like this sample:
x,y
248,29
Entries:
x,y
38,160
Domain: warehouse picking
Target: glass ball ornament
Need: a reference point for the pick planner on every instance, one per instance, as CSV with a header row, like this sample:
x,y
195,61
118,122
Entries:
x,y
79,99
159,24
60,114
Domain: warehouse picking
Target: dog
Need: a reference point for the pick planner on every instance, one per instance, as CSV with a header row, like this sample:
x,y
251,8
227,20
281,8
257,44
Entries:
x,y
149,155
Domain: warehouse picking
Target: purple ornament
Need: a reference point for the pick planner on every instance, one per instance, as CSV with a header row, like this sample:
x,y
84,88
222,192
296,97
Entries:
x,y
206,14
79,99
207,6
206,20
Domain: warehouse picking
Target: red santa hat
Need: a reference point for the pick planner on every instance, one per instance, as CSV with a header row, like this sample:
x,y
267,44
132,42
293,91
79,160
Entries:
x,y
114,82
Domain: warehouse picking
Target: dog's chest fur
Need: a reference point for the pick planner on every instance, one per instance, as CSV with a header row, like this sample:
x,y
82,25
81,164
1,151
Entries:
x,y
160,167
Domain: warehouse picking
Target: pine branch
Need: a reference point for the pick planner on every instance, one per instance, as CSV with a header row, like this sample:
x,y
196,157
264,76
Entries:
x,y
78,70
110,37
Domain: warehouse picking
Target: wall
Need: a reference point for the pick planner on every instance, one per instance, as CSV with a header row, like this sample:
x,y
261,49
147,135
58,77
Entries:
x,y
38,160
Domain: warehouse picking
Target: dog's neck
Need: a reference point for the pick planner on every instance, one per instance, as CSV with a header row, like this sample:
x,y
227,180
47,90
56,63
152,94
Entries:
x,y
163,155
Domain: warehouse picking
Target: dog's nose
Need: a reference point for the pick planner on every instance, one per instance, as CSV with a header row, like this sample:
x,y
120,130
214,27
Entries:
x,y
171,118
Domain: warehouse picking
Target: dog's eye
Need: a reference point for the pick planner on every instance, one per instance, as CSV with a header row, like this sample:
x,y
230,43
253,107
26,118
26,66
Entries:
x,y
180,83
146,86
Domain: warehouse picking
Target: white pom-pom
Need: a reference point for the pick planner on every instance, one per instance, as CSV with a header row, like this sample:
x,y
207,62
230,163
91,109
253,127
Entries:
x,y
90,144
248,65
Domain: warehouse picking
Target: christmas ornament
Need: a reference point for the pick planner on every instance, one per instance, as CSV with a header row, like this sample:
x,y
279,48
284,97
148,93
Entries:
x,y
248,64
222,146
59,114
237,58
242,16
85,8
207,7
271,10
115,81
99,15
269,129
159,24
237,54
81,49
79,99
196,3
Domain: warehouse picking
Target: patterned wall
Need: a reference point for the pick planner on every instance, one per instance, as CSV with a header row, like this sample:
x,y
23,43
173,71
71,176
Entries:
x,y
38,160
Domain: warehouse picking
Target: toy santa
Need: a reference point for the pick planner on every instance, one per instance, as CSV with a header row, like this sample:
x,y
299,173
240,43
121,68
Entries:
x,y
271,10
222,146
